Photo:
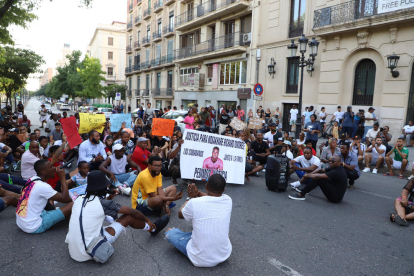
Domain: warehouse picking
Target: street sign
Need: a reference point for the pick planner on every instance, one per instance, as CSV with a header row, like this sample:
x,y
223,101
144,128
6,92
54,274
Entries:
x,y
258,98
258,89
118,97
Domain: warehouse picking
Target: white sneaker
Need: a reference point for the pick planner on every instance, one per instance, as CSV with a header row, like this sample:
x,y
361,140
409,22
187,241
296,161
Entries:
x,y
368,170
264,170
295,185
126,191
411,176
374,171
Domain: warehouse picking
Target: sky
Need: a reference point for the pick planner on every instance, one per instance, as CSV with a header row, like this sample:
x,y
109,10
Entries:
x,y
63,22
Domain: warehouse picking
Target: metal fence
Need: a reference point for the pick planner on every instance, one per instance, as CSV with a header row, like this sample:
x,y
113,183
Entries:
x,y
163,92
146,39
168,29
138,19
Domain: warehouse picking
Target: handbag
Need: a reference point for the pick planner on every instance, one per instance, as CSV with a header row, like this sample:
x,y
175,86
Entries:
x,y
99,248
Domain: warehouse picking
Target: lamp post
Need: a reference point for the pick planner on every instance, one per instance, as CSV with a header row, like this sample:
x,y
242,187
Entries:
x,y
313,49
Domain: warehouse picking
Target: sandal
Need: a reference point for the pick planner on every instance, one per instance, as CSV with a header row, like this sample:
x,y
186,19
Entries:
x,y
400,220
388,174
401,176
392,217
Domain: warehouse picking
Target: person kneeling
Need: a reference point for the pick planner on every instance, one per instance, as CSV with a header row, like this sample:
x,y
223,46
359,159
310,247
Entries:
x,y
95,207
333,181
208,244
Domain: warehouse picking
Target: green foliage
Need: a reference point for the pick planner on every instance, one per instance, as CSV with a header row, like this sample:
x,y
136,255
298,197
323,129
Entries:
x,y
91,77
111,90
42,90
68,78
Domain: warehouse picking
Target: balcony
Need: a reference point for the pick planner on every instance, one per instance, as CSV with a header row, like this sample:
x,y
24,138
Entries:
x,y
138,20
158,6
131,7
156,36
137,45
220,46
110,78
128,70
208,12
146,41
147,13
162,61
139,2
129,93
168,31
145,65
137,92
168,2
128,49
137,67
356,14
129,26
163,92
145,92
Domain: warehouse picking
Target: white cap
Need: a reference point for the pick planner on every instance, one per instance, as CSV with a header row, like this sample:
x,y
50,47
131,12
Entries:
x,y
117,147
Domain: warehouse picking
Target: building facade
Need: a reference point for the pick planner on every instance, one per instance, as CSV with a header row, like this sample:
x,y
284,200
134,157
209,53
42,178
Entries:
x,y
47,76
356,38
64,52
150,48
108,45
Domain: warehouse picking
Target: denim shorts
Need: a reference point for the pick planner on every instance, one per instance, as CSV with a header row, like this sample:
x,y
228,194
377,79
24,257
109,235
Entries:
x,y
49,218
179,239
2,206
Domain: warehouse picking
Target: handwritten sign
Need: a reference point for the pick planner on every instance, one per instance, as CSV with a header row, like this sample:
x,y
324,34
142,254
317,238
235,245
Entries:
x,y
255,123
237,124
162,127
71,131
90,122
117,120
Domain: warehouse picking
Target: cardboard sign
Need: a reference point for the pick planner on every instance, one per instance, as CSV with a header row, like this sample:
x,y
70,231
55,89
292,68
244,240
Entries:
x,y
237,124
78,191
255,123
90,122
117,120
71,131
162,127
204,154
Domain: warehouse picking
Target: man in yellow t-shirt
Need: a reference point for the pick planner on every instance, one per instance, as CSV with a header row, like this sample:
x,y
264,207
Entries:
x,y
147,192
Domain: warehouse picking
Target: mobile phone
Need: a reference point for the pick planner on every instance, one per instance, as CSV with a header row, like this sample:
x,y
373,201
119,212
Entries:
x,y
181,190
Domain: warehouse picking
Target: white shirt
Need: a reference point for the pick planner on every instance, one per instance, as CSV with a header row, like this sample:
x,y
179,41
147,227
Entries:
x,y
27,166
375,153
269,137
354,149
87,149
289,154
408,129
372,134
34,199
369,123
304,163
117,166
294,113
338,115
51,125
209,244
298,142
322,114
2,146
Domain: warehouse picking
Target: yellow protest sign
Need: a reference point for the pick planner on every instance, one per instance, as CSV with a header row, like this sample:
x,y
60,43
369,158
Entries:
x,y
90,122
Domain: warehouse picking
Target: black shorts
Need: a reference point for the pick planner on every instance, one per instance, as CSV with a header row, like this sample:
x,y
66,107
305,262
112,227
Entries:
x,y
408,210
262,160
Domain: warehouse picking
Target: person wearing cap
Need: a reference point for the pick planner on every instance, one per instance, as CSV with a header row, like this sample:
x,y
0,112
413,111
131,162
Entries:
x,y
369,121
96,209
31,216
375,156
287,149
51,124
408,132
114,167
358,148
338,115
141,154
124,140
92,150
347,125
43,115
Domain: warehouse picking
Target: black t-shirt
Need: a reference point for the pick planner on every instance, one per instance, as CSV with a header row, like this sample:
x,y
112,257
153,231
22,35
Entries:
x,y
338,179
158,143
14,142
6,126
224,120
276,136
259,147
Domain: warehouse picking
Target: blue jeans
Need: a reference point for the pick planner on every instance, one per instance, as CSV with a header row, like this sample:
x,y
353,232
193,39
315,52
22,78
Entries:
x,y
9,156
125,178
179,239
366,130
49,218
300,174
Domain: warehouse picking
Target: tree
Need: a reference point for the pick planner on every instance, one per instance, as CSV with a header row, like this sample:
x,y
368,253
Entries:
x,y
111,90
91,77
42,90
68,78
18,65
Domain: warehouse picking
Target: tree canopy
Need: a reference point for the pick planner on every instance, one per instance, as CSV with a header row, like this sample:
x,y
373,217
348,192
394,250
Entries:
x,y
91,77
111,90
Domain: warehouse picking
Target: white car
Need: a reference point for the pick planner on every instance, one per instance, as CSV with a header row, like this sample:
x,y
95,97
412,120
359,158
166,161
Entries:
x,y
106,111
48,108
177,116
64,107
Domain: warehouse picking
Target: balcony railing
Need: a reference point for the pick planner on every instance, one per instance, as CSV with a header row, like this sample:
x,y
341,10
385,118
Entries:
x,y
145,65
128,48
147,13
163,92
110,78
158,6
162,60
167,29
138,19
137,67
168,2
128,70
202,10
129,25
145,92
146,40
137,92
136,44
129,93
218,43
131,7
156,35
345,12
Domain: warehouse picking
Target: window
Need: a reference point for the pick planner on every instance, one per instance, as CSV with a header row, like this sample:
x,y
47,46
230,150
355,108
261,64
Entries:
x,y
170,79
171,21
297,17
170,55
148,31
130,41
159,27
147,84
292,75
190,39
187,76
110,55
110,71
158,104
130,83
138,82
210,71
233,73
110,41
147,56
130,61
139,36
158,54
364,83
246,24
188,104
158,80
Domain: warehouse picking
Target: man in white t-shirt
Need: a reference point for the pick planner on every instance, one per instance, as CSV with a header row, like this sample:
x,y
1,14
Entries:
x,y
369,120
208,244
375,156
268,137
305,163
338,115
408,131
293,116
31,215
372,133
358,148
29,158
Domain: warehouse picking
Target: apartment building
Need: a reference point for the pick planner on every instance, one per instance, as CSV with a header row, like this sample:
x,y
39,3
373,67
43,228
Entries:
x,y
213,41
150,52
48,74
108,45
64,52
357,39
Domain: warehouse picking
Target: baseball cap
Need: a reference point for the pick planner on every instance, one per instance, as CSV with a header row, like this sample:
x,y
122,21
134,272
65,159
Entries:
x,y
357,137
287,142
142,139
272,124
349,106
117,147
371,108
14,130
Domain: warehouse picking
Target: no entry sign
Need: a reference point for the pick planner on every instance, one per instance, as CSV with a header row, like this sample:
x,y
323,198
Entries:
x,y
258,89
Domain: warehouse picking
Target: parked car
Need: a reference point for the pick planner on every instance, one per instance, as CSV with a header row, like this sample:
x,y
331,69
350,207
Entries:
x,y
177,116
48,108
64,107
134,113
105,110
88,109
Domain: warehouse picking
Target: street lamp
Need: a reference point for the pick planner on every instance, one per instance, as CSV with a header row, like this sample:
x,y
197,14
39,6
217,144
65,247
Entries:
x,y
313,49
392,64
271,67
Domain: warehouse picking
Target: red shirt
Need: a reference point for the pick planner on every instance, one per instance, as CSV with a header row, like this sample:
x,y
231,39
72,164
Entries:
x,y
313,152
53,181
139,156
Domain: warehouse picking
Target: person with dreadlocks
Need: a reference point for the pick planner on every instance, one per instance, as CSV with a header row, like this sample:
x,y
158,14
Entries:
x,y
95,207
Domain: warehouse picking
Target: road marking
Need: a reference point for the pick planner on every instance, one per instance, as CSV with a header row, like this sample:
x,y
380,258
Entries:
x,y
374,194
285,269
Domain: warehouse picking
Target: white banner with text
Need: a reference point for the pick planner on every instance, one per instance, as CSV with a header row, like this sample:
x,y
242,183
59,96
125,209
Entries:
x,y
394,5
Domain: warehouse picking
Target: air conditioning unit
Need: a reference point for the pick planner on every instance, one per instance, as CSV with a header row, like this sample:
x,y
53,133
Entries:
x,y
247,37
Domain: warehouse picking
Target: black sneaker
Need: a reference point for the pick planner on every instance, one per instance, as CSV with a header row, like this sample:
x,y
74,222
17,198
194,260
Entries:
x,y
297,197
160,224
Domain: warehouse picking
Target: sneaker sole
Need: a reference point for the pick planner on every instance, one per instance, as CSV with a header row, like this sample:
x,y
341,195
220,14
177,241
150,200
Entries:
x,y
296,198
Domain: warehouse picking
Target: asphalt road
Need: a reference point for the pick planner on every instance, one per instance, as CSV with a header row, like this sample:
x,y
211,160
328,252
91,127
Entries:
x,y
270,234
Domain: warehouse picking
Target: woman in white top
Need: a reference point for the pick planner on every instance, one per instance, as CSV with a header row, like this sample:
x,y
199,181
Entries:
x,y
277,114
322,119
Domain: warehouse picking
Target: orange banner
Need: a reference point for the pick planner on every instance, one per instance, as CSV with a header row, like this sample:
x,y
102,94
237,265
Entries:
x,y
162,127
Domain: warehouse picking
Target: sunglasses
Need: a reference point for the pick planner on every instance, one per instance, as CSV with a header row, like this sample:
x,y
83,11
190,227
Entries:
x,y
331,161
